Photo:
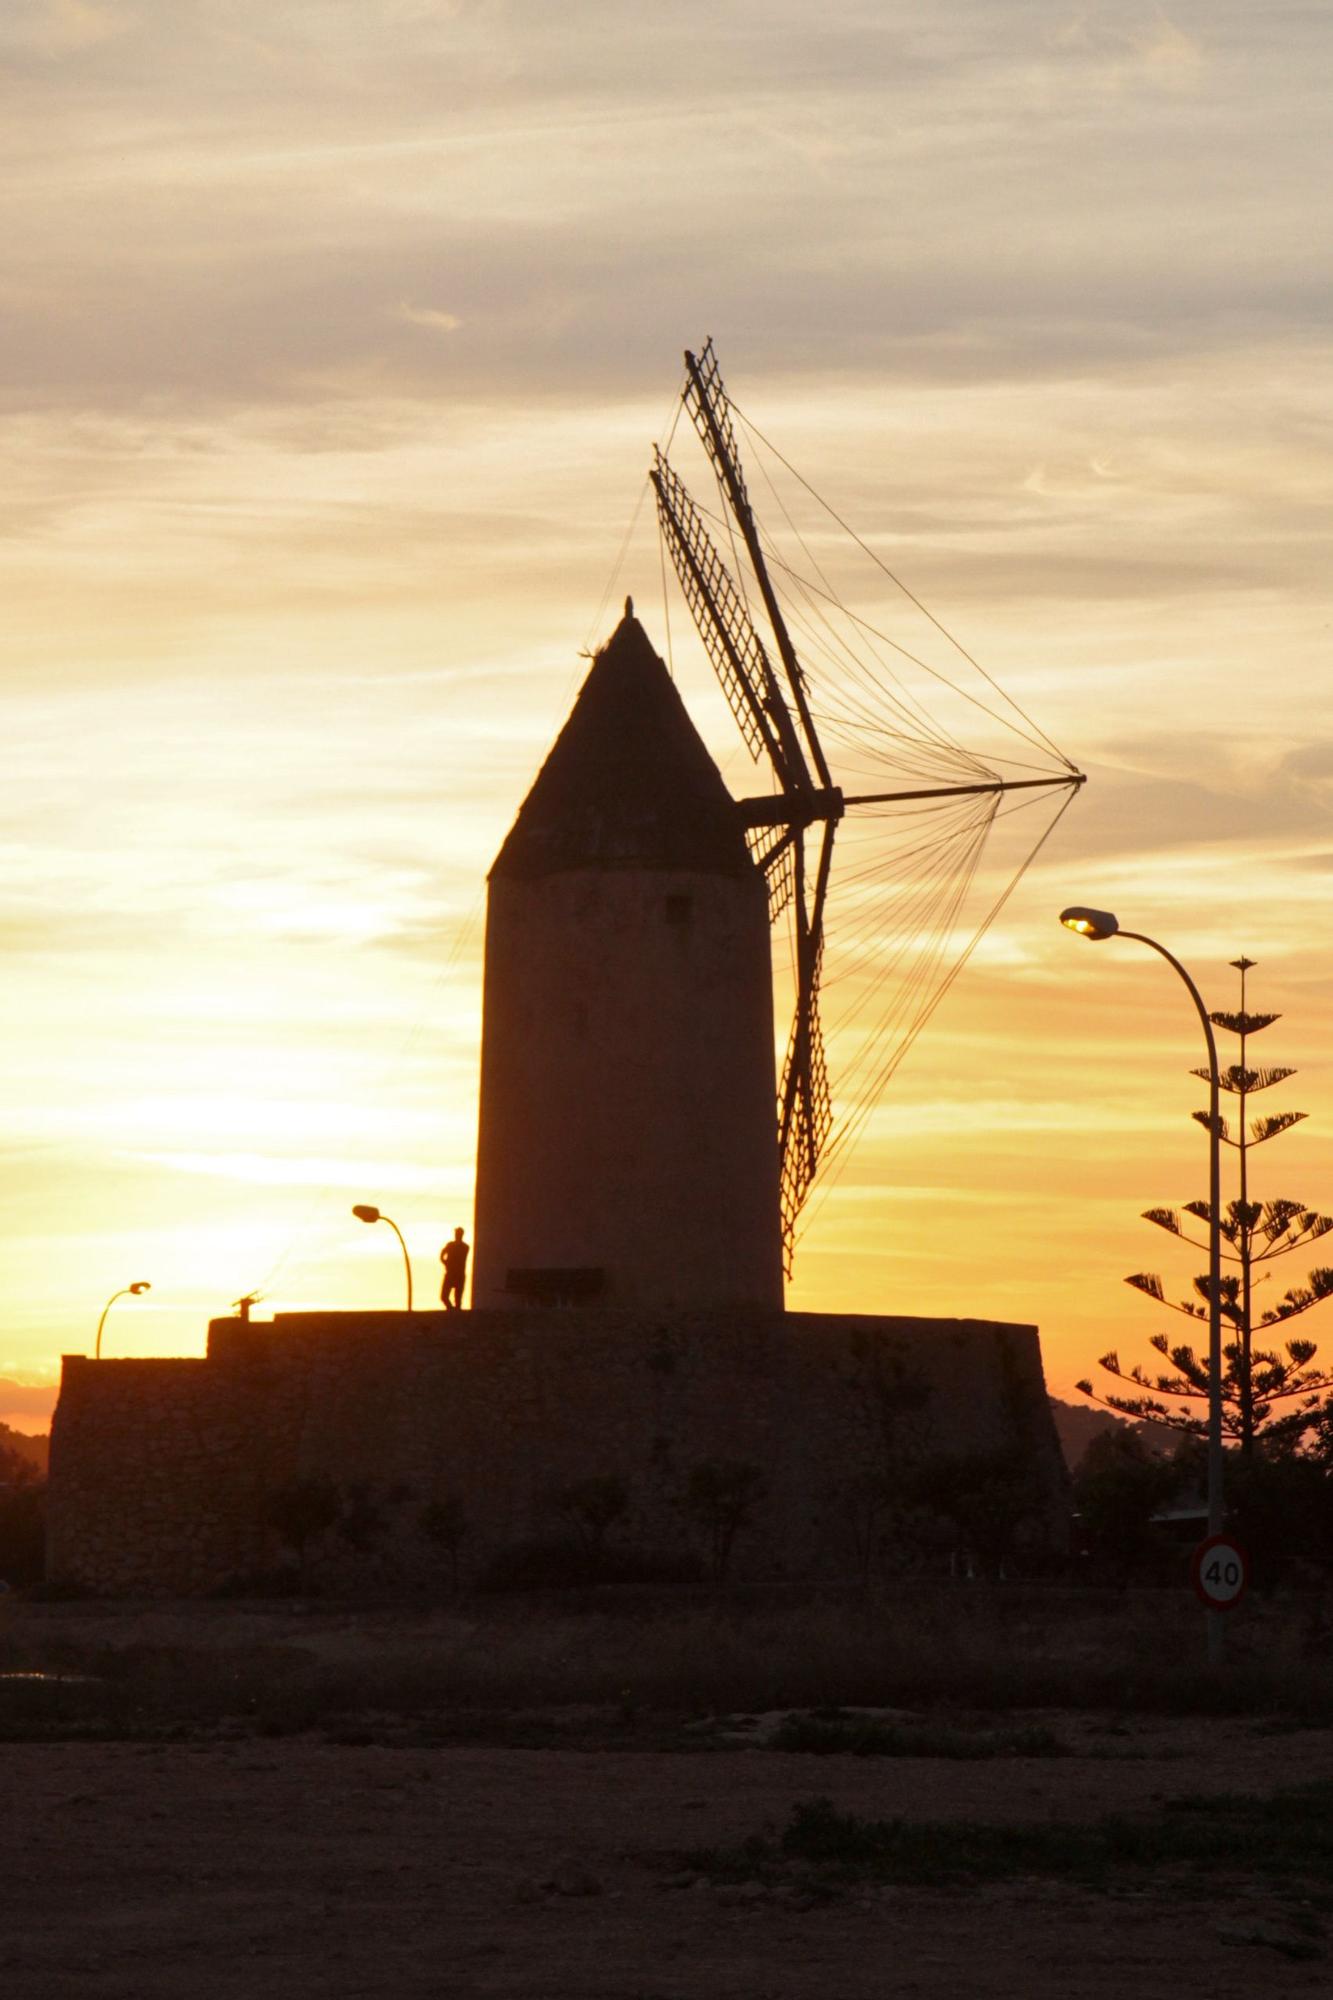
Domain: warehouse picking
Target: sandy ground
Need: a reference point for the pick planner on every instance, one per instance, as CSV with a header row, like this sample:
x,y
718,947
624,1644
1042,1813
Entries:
x,y
300,1868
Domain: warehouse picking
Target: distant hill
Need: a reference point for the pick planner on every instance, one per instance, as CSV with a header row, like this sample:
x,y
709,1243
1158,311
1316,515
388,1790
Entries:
x,y
18,1444
1077,1424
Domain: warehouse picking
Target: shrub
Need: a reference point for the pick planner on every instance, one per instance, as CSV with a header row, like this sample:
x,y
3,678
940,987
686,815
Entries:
x,y
444,1522
592,1507
721,1497
301,1512
23,1532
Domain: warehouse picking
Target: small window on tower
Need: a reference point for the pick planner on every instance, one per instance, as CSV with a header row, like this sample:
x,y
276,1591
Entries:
x,y
678,909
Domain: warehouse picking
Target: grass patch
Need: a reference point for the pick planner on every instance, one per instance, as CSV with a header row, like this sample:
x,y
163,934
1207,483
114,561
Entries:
x,y
1286,1839
833,1734
947,1653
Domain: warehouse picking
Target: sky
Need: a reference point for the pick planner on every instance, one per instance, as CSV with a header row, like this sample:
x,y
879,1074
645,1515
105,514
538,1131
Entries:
x,y
334,342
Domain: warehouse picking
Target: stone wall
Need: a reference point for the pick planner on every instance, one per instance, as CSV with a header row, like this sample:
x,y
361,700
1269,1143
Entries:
x,y
148,1485
163,1473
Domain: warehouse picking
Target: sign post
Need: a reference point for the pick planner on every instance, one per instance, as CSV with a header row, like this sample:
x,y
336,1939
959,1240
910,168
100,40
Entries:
x,y
1219,1571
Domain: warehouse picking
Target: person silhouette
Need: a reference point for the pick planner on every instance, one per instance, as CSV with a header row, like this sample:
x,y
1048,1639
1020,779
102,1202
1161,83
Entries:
x,y
454,1259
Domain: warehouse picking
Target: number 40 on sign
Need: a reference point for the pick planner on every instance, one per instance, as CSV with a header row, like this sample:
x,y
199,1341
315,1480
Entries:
x,y
1219,1571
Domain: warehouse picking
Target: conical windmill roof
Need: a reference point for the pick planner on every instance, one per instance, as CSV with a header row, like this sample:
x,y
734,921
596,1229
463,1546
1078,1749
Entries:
x,y
628,782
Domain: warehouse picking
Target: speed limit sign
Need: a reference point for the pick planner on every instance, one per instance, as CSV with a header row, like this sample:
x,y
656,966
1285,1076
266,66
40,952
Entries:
x,y
1219,1572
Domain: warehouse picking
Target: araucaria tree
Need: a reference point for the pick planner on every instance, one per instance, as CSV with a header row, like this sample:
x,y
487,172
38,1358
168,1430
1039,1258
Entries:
x,y
1279,1388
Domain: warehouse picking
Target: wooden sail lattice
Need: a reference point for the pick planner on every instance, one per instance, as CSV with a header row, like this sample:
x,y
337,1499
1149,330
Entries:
x,y
724,624
811,1112
770,850
769,693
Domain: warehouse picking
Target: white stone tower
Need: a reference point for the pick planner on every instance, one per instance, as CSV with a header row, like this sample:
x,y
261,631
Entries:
x,y
627,1151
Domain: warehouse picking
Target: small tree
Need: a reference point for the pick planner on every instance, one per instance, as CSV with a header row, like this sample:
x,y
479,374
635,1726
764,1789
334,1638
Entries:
x,y
361,1519
444,1522
876,1488
22,1516
302,1511
1255,1234
1118,1487
992,1498
1282,1511
721,1496
592,1507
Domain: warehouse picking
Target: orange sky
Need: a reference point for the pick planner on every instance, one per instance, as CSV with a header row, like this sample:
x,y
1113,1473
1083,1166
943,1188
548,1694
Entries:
x,y
334,349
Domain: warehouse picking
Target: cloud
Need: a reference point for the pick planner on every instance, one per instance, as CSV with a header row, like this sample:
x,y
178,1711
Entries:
x,y
55,29
429,316
20,1401
1310,764
266,213
315,1172
1125,812
1125,52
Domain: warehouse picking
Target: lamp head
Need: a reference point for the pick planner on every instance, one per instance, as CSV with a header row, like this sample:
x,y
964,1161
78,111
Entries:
x,y
141,1285
1093,924
365,1213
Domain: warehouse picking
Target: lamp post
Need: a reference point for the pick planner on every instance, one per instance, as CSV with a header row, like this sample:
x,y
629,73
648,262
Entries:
x,y
365,1213
141,1285
1097,925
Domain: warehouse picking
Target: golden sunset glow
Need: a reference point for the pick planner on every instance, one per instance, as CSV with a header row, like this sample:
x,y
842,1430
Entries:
x,y
337,342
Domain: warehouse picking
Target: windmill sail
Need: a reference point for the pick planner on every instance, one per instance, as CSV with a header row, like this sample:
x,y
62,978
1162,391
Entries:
x,y
945,810
734,647
805,1105
706,401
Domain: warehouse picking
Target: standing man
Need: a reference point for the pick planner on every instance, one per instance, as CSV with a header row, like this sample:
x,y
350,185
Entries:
x,y
454,1259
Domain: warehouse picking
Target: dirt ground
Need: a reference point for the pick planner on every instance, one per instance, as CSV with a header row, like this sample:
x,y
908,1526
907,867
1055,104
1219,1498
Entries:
x,y
304,1868
214,1801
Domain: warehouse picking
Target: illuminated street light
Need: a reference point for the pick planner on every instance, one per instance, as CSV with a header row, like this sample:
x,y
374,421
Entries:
x,y
1097,925
364,1212
141,1285
1094,924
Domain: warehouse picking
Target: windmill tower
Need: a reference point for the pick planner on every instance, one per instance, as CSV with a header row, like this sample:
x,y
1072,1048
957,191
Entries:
x,y
626,1149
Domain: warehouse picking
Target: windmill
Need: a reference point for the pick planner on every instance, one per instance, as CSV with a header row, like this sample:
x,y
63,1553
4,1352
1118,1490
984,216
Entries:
x,y
791,830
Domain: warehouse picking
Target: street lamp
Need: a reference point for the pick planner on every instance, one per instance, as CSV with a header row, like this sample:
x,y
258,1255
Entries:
x,y
141,1285
1096,925
365,1213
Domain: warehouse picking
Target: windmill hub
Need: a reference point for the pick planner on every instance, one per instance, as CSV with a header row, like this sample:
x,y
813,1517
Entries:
x,y
802,810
